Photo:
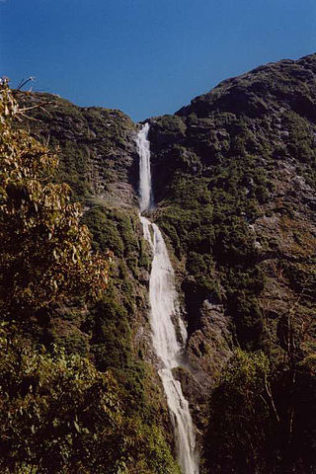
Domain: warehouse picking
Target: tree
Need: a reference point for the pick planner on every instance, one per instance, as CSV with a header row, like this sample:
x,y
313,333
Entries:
x,y
242,412
45,253
58,412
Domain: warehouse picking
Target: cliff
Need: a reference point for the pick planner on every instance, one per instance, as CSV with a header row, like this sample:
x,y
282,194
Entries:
x,y
234,187
234,176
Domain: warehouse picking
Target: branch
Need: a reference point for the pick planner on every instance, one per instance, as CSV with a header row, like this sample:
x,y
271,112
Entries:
x,y
25,81
270,396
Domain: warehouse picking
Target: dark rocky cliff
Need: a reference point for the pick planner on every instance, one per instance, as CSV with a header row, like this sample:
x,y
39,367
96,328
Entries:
x,y
234,184
234,176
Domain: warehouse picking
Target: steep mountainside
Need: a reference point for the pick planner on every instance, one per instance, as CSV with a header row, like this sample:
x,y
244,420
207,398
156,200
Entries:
x,y
98,160
234,185
96,145
235,176
234,173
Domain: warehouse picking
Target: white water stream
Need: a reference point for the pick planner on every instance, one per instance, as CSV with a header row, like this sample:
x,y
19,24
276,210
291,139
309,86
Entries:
x,y
164,312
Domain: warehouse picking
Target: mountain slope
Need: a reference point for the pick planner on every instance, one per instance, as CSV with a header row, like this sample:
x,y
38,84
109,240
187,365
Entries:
x,y
96,148
234,184
234,176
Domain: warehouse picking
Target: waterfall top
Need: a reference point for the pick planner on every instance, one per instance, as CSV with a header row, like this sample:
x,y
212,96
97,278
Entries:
x,y
145,185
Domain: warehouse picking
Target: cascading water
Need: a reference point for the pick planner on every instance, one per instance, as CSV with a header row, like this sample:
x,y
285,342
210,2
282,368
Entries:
x,y
163,302
145,189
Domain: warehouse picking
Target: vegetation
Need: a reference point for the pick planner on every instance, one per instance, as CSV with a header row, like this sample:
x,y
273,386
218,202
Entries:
x,y
256,417
84,137
239,403
207,218
74,395
60,414
235,182
46,251
234,179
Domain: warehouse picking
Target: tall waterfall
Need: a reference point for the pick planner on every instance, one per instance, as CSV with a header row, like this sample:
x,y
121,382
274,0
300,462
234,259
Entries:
x,y
145,188
164,312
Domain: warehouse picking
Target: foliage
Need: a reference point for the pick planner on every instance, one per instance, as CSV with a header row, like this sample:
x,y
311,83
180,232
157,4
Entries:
x,y
91,406
57,411
60,414
207,219
239,410
262,420
88,138
46,252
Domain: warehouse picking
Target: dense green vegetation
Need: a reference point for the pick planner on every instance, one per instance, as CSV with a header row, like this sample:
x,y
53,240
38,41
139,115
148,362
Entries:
x,y
224,171
89,140
234,183
75,394
256,419
60,414
207,219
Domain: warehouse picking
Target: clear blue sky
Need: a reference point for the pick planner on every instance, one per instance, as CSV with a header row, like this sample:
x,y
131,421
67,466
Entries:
x,y
147,57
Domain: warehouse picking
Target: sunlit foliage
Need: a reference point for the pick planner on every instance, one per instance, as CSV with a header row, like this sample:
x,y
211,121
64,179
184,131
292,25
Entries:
x,y
80,403
45,252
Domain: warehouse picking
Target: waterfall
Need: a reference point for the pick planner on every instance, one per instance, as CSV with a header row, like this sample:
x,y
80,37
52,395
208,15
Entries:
x,y
145,188
164,312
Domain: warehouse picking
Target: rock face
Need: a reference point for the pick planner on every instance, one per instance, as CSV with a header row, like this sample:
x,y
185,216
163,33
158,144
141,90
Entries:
x,y
97,151
234,183
235,175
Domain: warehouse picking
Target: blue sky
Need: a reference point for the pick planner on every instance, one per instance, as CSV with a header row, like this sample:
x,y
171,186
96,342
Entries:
x,y
147,57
